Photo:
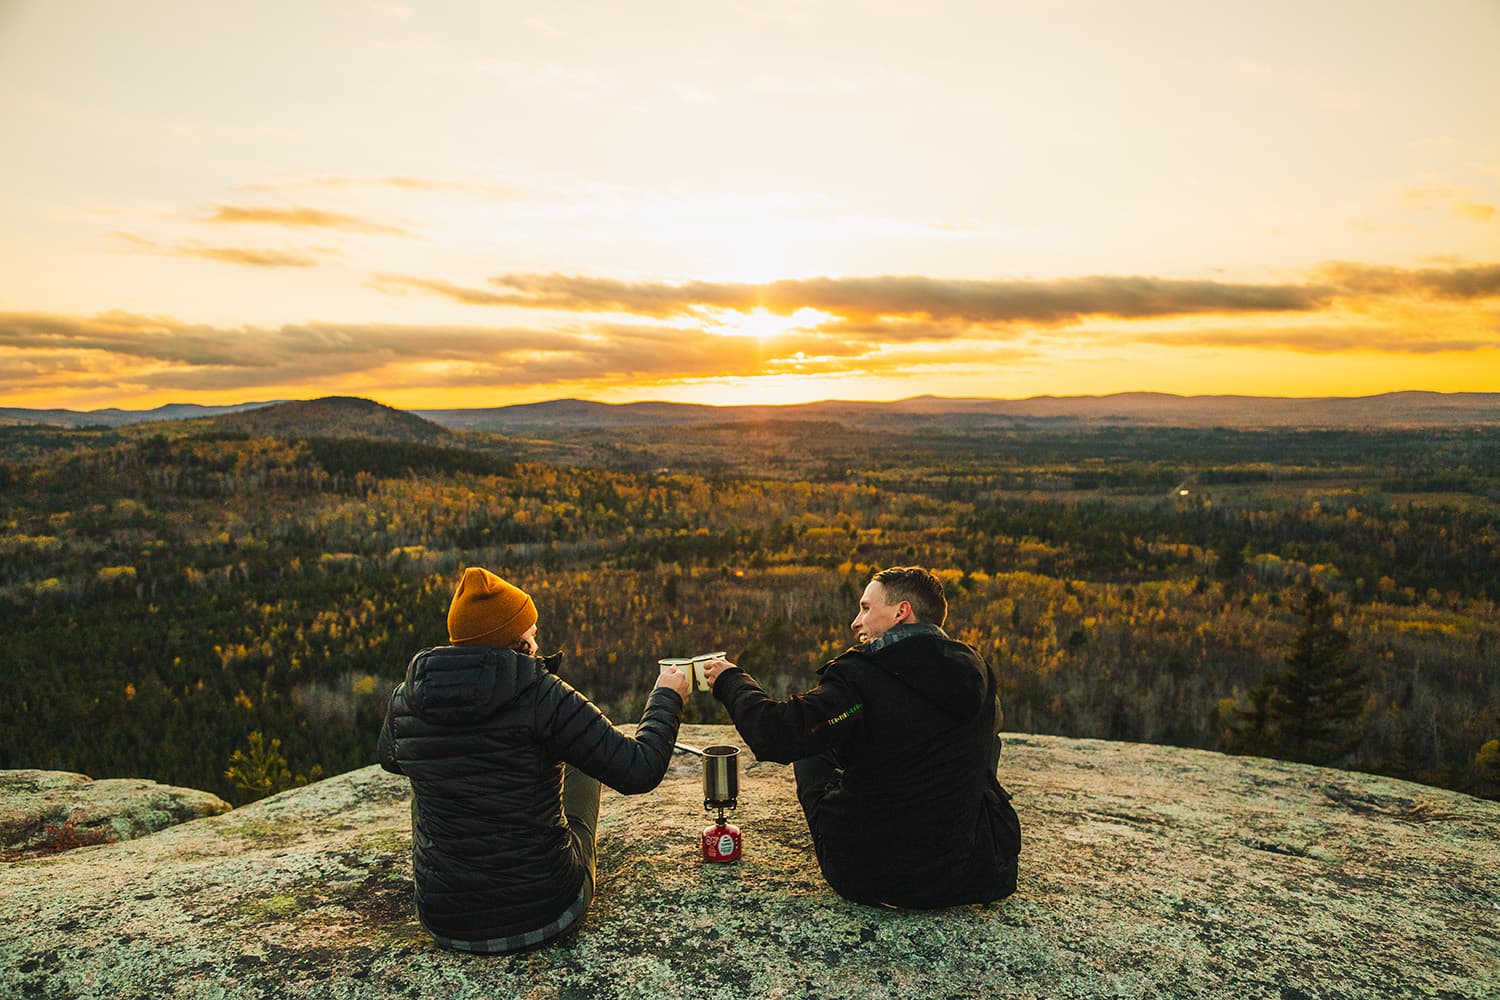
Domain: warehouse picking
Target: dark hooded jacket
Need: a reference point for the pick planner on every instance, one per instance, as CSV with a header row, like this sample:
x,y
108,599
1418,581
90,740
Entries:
x,y
915,817
483,734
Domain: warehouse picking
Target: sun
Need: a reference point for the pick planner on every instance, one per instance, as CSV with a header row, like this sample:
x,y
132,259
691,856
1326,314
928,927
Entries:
x,y
761,323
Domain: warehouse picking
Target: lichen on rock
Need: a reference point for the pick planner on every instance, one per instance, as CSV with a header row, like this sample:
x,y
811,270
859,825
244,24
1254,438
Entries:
x,y
32,803
1147,872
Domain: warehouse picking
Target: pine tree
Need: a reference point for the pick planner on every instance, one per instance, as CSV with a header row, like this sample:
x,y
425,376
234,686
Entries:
x,y
260,769
1309,709
1487,769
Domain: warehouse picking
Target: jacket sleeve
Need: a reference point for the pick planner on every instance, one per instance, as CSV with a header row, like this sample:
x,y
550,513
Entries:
x,y
574,730
802,726
385,747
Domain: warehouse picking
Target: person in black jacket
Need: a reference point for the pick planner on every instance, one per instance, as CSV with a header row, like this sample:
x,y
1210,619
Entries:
x,y
895,753
505,761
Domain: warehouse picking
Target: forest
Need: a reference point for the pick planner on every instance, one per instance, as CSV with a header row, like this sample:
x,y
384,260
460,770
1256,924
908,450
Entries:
x,y
213,607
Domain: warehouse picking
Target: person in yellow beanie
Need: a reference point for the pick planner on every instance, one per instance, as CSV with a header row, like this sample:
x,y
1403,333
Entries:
x,y
505,760
487,611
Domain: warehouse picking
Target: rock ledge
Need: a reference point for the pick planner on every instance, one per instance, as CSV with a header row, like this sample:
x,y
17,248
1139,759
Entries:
x,y
107,809
1147,872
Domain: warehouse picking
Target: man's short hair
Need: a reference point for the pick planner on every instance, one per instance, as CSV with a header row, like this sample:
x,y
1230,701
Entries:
x,y
917,587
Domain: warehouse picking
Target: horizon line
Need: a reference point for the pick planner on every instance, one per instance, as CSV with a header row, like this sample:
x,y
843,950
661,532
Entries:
x,y
776,406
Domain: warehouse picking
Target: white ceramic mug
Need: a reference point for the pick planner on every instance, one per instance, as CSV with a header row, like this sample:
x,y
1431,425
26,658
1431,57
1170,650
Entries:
x,y
686,666
700,679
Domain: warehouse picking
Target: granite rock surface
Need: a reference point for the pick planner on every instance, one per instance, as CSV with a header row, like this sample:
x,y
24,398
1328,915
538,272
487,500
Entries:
x,y
40,810
1147,871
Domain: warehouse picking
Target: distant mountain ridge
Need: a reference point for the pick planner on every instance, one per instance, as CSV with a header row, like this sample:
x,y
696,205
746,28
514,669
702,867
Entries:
x,y
113,417
1393,409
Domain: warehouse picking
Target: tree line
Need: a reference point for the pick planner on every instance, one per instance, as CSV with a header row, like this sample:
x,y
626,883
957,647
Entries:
x,y
231,612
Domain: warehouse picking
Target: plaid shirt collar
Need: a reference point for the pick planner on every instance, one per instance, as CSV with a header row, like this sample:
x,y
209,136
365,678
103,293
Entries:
x,y
899,632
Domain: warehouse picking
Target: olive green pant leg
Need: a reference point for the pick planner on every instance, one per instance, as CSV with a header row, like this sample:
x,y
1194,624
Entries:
x,y
580,802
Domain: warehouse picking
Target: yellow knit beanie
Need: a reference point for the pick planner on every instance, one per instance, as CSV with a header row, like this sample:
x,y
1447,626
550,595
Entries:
x,y
487,611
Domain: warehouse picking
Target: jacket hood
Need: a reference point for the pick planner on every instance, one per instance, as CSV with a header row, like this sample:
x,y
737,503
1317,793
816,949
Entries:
x,y
941,671
458,685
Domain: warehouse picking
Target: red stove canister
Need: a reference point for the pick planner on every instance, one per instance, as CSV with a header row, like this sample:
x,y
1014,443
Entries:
x,y
722,843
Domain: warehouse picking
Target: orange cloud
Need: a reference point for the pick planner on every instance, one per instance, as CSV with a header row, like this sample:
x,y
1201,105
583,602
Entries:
x,y
1477,210
156,352
1459,200
1399,311
1321,340
395,284
421,184
139,241
862,327
248,256
1054,301
299,218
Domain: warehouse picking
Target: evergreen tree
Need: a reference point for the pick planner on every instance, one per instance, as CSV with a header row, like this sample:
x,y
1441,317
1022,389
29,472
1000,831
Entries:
x,y
1309,709
1487,770
259,769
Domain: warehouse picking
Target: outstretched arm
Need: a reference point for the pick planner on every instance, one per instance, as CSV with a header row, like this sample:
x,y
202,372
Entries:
x,y
783,731
574,730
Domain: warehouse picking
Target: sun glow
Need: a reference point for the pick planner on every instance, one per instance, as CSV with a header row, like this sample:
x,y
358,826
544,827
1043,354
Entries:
x,y
761,323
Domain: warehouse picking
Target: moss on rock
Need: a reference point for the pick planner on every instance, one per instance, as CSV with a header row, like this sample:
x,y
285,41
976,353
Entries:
x,y
36,805
1147,872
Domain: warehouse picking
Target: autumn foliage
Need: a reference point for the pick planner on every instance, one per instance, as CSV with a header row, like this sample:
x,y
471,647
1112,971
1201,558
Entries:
x,y
171,593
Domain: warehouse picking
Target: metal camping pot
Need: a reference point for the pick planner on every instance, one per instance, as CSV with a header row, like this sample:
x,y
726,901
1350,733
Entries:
x,y
721,777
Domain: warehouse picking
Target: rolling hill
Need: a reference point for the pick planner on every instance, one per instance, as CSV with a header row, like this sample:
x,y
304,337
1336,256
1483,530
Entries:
x,y
342,416
119,418
1396,409
333,417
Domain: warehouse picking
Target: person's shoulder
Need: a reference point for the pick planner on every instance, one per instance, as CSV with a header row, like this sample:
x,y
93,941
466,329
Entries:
x,y
494,673
849,658
947,642
928,647
450,659
447,655
956,650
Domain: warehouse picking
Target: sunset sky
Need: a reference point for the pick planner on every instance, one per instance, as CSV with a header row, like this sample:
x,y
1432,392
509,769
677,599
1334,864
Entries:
x,y
452,204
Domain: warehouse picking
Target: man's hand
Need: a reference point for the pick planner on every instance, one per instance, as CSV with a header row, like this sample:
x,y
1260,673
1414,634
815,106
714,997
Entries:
x,y
713,669
674,678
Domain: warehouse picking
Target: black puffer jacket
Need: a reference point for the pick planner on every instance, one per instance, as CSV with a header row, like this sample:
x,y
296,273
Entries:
x,y
483,733
916,817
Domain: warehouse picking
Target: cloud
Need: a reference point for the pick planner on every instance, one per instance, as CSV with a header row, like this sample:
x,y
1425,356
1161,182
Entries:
x,y
128,336
1460,201
299,217
249,257
898,330
609,332
427,185
395,284
1459,282
1347,307
246,256
1321,340
161,352
139,241
1476,210
145,353
1053,301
